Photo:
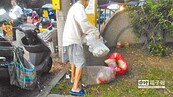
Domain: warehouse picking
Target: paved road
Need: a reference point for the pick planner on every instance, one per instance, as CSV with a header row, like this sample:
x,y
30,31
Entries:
x,y
91,60
6,90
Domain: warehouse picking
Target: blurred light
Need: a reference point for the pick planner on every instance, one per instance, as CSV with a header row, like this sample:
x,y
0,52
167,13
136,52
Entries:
x,y
121,8
12,15
2,11
113,6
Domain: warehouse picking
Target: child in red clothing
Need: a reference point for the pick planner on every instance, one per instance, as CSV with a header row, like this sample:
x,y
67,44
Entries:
x,y
34,17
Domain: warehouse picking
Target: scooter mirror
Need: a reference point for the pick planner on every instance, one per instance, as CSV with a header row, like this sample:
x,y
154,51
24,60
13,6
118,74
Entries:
x,y
12,15
2,11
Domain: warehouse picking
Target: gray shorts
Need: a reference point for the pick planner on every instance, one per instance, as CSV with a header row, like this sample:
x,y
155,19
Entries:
x,y
75,54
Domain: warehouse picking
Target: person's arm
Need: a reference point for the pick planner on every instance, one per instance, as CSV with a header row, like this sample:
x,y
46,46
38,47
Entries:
x,y
85,25
17,11
20,11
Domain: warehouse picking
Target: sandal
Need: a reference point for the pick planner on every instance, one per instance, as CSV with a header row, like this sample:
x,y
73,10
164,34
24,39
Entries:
x,y
81,92
71,83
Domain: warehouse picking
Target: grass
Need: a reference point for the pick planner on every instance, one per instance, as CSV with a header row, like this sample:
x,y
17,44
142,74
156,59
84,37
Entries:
x,y
141,67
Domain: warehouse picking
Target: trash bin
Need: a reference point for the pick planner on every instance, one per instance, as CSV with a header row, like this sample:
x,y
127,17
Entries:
x,y
19,36
34,48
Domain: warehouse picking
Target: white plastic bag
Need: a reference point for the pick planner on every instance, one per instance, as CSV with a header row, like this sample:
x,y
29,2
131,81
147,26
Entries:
x,y
105,75
97,75
111,63
96,46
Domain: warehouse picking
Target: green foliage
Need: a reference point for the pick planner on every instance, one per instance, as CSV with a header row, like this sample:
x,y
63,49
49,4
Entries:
x,y
153,20
141,67
156,47
62,88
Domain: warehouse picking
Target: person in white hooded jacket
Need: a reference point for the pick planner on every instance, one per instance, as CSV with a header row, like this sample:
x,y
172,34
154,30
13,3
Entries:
x,y
17,11
76,26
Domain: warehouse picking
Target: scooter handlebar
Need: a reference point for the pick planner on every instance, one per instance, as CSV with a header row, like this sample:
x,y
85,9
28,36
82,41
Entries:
x,y
39,22
22,30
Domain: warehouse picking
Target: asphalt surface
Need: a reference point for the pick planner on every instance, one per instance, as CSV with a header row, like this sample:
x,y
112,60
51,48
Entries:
x,y
7,90
48,81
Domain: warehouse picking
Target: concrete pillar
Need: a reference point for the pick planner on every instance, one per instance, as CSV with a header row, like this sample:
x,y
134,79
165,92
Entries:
x,y
61,18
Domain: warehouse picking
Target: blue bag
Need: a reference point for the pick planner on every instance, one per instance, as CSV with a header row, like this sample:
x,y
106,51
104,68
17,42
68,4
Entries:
x,y
22,72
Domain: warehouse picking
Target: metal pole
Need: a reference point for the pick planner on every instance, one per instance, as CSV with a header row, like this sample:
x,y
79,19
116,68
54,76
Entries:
x,y
109,13
99,17
105,16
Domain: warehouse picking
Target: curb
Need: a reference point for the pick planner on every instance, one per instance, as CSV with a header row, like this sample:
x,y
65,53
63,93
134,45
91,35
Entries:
x,y
52,83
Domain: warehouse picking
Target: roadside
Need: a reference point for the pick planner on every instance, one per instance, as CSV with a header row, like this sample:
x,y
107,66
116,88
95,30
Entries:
x,y
142,66
53,82
7,90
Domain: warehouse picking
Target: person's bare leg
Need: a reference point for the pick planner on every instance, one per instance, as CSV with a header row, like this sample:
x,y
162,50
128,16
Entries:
x,y
73,69
78,74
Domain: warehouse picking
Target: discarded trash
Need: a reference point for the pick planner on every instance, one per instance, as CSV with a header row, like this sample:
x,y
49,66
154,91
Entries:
x,y
111,63
67,76
118,44
97,75
122,44
117,62
126,45
96,46
84,85
105,75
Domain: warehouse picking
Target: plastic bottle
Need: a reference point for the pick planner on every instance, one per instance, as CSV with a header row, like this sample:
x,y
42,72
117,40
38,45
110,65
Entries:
x,y
67,76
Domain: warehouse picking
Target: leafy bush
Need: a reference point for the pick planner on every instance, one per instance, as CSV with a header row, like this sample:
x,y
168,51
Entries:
x,y
153,20
156,47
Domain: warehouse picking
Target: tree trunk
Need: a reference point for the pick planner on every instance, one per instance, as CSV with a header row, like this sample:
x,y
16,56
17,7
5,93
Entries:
x,y
61,18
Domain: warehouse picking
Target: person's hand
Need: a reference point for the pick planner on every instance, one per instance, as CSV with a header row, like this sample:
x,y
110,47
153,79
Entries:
x,y
97,36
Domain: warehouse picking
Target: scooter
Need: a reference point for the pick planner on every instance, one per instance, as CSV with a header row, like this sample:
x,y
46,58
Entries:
x,y
49,36
39,53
